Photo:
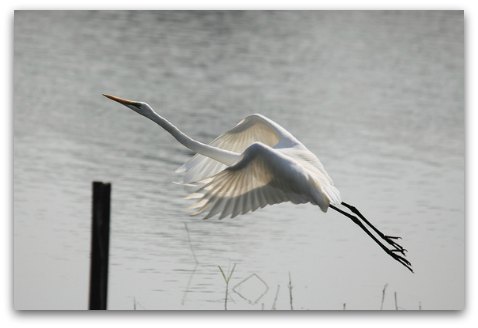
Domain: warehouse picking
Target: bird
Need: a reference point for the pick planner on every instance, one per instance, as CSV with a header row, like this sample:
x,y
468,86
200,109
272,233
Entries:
x,y
255,164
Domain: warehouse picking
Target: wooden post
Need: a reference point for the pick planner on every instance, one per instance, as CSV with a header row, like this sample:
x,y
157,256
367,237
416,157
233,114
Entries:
x,y
100,239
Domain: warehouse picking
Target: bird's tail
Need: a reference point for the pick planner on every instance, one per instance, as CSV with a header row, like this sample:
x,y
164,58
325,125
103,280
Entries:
x,y
333,194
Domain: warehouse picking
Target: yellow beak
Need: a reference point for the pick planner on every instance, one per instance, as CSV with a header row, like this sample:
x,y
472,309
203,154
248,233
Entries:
x,y
120,100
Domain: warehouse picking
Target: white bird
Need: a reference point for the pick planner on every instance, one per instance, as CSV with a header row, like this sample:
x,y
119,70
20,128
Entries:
x,y
258,163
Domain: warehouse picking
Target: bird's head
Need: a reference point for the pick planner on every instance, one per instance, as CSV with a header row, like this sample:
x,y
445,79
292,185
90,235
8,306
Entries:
x,y
138,106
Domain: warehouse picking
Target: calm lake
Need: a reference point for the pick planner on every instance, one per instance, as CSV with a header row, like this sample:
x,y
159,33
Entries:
x,y
378,96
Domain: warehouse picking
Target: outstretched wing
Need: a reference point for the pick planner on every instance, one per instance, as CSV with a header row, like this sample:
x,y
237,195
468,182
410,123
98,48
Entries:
x,y
244,187
253,128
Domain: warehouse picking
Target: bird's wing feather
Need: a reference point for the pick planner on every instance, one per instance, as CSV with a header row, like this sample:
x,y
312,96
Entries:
x,y
243,187
311,163
253,128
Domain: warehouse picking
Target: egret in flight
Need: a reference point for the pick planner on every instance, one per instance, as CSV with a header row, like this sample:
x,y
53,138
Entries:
x,y
259,163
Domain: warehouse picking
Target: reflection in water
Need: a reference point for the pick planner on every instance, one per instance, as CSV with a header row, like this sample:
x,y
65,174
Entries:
x,y
378,96
191,277
196,264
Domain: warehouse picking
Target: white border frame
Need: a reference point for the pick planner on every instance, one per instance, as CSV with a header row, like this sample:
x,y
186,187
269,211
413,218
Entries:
x,y
9,317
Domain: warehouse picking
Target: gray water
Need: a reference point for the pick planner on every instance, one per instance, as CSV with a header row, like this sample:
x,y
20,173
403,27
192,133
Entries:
x,y
378,96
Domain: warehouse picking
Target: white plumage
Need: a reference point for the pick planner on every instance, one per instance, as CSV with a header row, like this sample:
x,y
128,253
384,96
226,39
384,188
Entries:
x,y
274,167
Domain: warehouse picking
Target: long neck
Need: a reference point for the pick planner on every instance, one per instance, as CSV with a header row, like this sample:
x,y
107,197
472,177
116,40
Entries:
x,y
224,156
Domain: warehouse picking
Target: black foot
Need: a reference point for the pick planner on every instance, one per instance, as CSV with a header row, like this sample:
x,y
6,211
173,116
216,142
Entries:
x,y
390,240
402,260
392,237
401,251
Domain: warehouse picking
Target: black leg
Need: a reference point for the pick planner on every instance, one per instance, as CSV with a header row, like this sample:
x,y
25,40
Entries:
x,y
388,239
392,253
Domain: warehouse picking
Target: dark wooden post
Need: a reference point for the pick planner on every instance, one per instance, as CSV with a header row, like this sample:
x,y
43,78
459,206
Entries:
x,y
100,239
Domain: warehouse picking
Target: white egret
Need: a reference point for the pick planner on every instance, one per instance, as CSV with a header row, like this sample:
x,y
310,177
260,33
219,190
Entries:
x,y
259,163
